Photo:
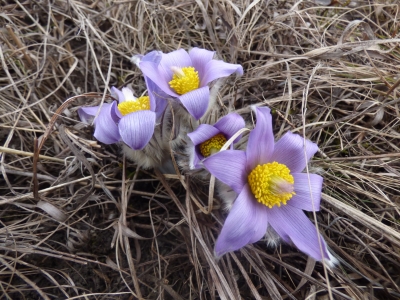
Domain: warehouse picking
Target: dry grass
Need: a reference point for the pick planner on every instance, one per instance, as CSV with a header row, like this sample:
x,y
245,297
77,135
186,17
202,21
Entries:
x,y
104,229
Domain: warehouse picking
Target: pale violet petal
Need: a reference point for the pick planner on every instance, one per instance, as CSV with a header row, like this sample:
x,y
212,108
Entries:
x,y
137,128
229,167
200,58
291,151
261,139
161,105
196,101
153,56
106,129
86,114
158,76
158,99
246,223
115,113
217,69
291,222
195,157
230,124
203,133
117,94
178,58
303,198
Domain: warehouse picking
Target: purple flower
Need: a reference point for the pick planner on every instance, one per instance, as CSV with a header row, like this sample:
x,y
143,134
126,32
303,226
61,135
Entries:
x,y
156,95
208,139
106,123
186,76
271,190
131,119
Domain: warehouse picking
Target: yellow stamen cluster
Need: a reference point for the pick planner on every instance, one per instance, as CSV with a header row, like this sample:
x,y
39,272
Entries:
x,y
212,145
271,184
185,80
130,106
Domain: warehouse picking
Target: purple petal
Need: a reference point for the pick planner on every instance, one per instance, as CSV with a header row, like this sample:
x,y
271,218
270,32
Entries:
x,y
196,101
153,56
158,99
116,93
289,150
200,58
246,223
161,104
106,129
158,76
290,222
230,124
178,58
303,199
203,133
195,158
137,128
151,93
115,113
217,69
229,167
86,114
261,140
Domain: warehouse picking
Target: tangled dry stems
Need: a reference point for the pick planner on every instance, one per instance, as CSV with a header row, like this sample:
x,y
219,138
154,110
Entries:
x,y
329,73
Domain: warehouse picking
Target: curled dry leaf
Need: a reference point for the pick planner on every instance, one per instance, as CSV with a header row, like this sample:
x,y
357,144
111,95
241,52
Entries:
x,y
376,115
111,264
53,211
347,32
323,2
126,231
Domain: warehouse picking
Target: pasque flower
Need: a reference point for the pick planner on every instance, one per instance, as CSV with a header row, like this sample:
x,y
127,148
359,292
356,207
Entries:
x,y
185,76
106,123
208,139
272,190
129,119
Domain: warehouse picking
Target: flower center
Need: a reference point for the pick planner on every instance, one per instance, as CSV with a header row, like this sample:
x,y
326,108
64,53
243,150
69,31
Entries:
x,y
184,80
271,184
130,106
212,145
